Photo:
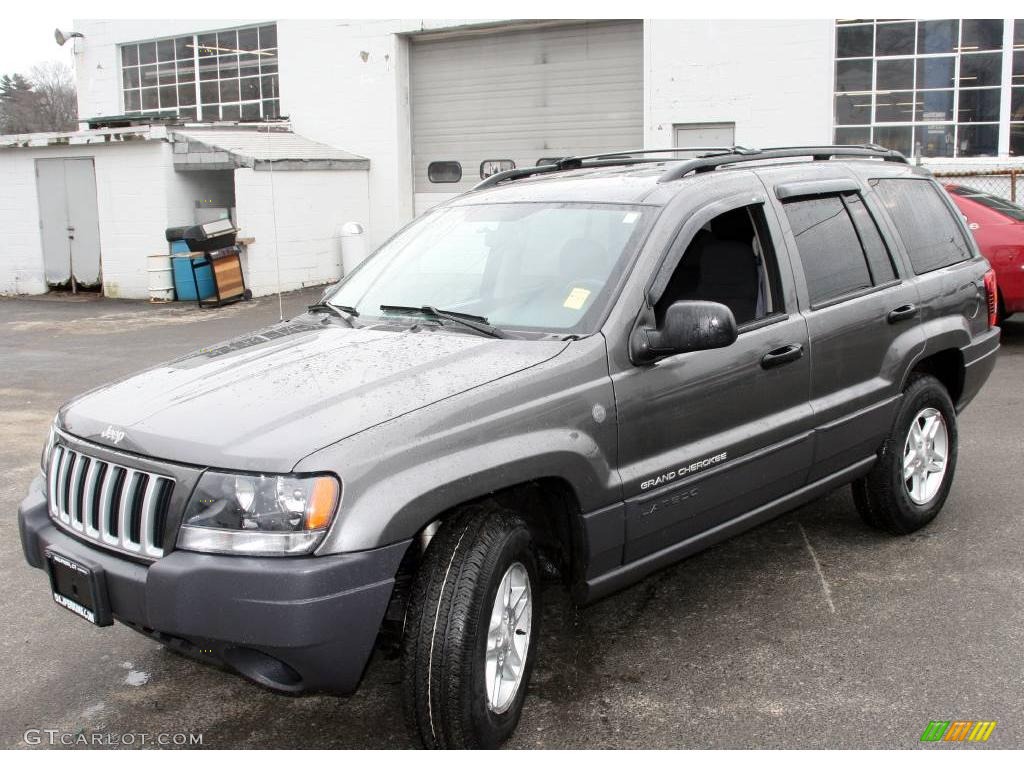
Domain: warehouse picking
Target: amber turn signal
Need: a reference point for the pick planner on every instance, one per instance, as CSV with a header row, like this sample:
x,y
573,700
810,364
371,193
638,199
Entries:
x,y
323,500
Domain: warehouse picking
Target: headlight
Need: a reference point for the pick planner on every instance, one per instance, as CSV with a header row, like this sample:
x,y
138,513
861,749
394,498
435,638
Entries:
x,y
259,514
44,460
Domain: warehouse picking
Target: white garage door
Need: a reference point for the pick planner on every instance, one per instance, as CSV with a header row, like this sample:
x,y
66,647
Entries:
x,y
522,96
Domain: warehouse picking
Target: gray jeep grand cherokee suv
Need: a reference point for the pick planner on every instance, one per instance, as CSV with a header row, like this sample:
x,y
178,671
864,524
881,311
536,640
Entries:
x,y
591,369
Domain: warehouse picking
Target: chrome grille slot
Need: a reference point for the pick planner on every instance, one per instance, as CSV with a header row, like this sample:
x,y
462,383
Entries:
x,y
75,492
117,506
93,485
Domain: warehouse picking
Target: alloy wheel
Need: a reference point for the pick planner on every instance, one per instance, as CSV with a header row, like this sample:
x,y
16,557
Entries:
x,y
508,638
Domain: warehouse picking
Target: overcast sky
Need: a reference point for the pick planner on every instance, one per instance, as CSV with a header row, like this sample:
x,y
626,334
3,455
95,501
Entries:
x,y
30,41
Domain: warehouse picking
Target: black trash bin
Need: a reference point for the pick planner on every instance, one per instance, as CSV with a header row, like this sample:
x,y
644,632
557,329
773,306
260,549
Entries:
x,y
204,237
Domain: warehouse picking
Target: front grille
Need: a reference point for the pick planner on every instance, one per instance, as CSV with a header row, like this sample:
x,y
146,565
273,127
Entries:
x,y
116,506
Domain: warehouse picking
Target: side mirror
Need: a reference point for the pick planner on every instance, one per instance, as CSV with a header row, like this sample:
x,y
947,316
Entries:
x,y
688,326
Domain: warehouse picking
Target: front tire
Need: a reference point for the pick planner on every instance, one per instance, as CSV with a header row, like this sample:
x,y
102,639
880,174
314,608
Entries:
x,y
910,481
471,631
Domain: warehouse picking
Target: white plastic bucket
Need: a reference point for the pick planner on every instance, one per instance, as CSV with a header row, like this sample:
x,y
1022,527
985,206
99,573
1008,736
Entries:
x,y
161,278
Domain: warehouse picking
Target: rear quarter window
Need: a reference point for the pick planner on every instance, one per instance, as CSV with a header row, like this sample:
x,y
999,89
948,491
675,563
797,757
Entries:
x,y
926,225
830,251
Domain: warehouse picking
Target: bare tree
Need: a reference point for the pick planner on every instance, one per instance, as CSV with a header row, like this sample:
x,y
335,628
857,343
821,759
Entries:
x,y
54,85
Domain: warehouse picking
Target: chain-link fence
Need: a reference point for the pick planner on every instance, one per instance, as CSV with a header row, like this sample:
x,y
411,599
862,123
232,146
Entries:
x,y
1007,183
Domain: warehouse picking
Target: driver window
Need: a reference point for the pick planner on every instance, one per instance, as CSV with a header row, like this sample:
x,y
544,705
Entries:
x,y
729,261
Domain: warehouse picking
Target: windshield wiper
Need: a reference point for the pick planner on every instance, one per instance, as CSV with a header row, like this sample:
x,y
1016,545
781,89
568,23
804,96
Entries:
x,y
338,310
473,322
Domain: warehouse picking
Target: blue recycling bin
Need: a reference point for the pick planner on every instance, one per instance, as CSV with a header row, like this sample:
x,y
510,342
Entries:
x,y
185,286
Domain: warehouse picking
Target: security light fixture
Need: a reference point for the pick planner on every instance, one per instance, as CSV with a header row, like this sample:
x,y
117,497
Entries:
x,y
62,38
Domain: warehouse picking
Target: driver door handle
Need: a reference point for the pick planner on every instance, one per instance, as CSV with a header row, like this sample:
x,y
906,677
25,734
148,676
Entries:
x,y
905,312
782,355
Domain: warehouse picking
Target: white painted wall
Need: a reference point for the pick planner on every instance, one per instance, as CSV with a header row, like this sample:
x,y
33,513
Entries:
x,y
138,195
21,258
311,206
772,78
357,100
131,183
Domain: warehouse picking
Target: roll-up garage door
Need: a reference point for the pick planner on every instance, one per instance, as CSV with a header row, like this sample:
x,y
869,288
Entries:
x,y
521,96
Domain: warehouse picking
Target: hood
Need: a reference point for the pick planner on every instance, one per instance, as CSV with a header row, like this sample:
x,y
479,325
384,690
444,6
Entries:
x,y
264,401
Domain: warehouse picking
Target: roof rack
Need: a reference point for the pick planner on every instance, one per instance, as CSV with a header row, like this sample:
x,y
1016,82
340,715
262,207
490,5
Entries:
x,y
711,159
622,157
816,152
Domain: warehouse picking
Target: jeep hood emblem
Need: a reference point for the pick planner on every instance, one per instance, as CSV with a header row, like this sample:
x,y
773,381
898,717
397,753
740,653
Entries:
x,y
113,435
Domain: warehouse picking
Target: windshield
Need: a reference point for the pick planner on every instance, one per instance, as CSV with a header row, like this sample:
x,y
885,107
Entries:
x,y
530,266
991,202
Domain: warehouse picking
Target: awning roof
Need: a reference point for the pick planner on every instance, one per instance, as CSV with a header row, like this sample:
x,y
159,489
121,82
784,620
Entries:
x,y
259,148
211,147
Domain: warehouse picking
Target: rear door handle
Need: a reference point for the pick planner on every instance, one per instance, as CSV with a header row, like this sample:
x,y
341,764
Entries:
x,y
782,355
906,312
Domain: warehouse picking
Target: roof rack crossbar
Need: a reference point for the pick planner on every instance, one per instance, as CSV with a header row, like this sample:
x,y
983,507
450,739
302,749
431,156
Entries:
x,y
817,152
521,173
623,157
516,173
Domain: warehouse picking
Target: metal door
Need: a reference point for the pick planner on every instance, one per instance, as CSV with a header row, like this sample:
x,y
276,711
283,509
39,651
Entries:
x,y
69,221
522,95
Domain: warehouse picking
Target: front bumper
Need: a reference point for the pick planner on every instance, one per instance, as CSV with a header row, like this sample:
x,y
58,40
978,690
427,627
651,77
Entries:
x,y
293,624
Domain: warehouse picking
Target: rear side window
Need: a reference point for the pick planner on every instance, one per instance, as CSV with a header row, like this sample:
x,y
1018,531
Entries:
x,y
926,225
830,250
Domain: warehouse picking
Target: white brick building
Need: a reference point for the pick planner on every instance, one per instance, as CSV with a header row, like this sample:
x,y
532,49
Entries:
x,y
424,104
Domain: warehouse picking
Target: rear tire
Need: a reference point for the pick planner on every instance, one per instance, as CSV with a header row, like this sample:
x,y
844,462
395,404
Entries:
x,y
910,481
471,631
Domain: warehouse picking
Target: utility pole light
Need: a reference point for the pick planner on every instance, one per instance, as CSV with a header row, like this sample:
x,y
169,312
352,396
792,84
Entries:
x,y
62,38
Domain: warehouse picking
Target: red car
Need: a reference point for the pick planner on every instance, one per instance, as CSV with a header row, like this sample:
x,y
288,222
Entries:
x,y
998,226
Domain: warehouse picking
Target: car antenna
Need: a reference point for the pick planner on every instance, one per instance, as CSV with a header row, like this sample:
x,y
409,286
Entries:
x,y
277,250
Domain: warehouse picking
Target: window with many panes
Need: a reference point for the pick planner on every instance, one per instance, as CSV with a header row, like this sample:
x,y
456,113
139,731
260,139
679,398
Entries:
x,y
928,88
227,75
1017,91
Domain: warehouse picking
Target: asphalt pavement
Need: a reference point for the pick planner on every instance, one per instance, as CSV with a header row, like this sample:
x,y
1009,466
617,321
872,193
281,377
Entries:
x,y
809,631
